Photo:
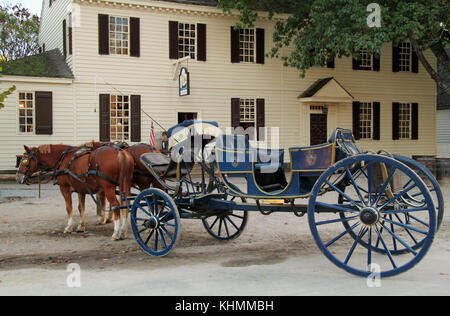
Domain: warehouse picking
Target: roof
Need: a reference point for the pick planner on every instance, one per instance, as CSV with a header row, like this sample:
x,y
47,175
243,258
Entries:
x,y
443,99
49,64
211,3
316,86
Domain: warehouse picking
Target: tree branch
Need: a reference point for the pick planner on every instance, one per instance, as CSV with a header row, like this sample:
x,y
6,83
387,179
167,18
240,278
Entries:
x,y
433,74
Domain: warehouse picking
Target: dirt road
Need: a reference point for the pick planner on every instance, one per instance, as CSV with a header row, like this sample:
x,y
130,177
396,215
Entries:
x,y
276,255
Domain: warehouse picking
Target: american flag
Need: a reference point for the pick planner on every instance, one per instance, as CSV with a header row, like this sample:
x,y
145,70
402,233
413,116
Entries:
x,y
152,136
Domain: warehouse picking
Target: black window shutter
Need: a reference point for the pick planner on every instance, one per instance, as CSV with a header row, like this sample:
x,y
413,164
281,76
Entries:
x,y
235,112
201,42
260,46
105,135
395,121
414,62
395,58
261,119
355,64
70,41
415,121
235,53
331,62
173,39
356,120
44,113
103,34
135,37
64,26
376,62
376,120
136,118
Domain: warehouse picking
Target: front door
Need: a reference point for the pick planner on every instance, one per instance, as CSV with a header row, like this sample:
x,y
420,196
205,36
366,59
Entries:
x,y
318,128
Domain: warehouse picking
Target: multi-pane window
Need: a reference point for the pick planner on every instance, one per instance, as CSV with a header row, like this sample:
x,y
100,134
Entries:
x,y
26,105
248,117
186,40
247,45
404,121
365,120
248,111
118,35
366,59
120,118
404,53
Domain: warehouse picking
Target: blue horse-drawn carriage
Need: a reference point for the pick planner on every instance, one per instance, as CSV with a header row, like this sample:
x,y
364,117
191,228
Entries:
x,y
364,210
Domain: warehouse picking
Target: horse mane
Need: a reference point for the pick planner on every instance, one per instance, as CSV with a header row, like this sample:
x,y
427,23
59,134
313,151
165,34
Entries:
x,y
90,144
45,149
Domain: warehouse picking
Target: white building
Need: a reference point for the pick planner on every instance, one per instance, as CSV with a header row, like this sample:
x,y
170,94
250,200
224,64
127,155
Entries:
x,y
108,61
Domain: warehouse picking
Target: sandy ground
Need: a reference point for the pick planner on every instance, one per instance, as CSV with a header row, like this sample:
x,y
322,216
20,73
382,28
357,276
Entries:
x,y
276,255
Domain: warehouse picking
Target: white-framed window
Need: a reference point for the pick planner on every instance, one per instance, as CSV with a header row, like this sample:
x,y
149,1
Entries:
x,y
187,41
366,60
404,121
120,117
247,45
119,30
404,53
26,112
248,111
365,120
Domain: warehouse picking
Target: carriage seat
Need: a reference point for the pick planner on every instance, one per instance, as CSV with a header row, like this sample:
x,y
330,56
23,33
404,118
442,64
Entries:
x,y
158,162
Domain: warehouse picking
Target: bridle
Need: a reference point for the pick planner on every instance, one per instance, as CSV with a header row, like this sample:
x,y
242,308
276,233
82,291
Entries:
x,y
26,162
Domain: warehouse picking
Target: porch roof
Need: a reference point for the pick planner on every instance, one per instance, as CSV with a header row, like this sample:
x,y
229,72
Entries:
x,y
326,90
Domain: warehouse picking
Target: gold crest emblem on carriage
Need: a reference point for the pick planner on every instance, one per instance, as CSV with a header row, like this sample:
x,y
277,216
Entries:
x,y
311,159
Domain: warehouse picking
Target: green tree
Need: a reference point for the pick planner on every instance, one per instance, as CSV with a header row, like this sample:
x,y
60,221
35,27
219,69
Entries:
x,y
4,94
317,30
19,31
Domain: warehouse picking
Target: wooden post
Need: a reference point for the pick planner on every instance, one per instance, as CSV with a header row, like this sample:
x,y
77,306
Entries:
x,y
39,184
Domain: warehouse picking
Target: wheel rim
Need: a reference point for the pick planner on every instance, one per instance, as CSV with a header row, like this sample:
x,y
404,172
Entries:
x,y
155,222
436,195
371,217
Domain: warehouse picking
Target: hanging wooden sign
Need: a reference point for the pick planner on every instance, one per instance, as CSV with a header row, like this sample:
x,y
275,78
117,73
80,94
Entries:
x,y
184,82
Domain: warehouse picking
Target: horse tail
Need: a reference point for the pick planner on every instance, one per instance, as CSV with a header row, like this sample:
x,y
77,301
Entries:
x,y
126,169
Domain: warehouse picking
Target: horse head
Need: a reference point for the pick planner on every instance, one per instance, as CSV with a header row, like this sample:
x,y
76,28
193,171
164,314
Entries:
x,y
29,165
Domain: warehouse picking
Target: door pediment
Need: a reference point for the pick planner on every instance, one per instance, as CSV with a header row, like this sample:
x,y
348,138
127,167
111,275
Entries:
x,y
327,90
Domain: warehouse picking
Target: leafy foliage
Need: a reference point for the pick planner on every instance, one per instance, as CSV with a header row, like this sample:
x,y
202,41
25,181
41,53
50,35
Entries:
x,y
19,32
4,94
309,32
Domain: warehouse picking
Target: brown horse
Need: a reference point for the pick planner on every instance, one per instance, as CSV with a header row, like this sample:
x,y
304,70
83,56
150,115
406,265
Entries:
x,y
96,171
142,178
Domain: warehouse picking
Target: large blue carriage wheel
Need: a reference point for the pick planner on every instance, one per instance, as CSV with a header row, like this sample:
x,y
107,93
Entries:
x,y
155,221
375,219
226,225
431,182
417,197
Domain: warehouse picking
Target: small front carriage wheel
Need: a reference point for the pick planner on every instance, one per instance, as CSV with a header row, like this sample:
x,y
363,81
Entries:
x,y
155,222
226,225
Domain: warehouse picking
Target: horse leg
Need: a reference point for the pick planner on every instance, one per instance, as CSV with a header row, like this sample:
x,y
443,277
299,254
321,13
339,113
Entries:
x,y
112,199
104,217
67,194
101,200
82,208
124,221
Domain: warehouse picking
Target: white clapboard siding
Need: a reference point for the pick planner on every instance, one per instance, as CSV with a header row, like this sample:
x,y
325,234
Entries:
x,y
443,133
51,28
215,82
12,140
